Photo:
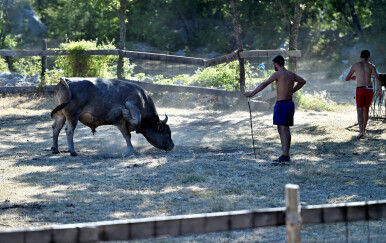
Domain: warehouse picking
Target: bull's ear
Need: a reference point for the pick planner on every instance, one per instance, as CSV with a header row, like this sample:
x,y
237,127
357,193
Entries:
x,y
159,126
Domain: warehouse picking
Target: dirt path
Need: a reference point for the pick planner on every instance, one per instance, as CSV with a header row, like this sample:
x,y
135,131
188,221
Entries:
x,y
211,169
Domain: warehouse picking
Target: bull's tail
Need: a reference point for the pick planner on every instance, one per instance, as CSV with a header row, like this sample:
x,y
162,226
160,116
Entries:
x,y
61,106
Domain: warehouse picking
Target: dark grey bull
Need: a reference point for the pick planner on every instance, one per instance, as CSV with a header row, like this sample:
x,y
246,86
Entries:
x,y
96,102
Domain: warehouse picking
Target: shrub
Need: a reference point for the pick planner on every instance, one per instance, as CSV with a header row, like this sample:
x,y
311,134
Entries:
x,y
3,65
28,66
317,101
224,76
78,65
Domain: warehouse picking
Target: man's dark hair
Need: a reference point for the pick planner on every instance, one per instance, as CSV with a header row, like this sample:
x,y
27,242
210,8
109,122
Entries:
x,y
279,60
365,54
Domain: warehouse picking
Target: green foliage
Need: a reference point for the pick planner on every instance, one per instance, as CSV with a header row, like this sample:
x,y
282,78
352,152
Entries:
x,y
10,42
28,66
3,65
78,65
223,75
51,77
319,101
77,19
192,178
206,25
128,69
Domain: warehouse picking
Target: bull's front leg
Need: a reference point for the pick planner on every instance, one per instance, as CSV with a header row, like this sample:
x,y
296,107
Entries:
x,y
131,114
126,134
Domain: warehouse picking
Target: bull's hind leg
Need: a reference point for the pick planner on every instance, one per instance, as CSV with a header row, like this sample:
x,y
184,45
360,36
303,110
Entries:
x,y
70,128
56,127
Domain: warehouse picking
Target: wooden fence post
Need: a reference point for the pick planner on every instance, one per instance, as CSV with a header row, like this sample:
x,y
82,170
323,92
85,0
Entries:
x,y
293,219
44,61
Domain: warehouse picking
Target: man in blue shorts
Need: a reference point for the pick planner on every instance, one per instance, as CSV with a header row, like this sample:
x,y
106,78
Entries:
x,y
284,108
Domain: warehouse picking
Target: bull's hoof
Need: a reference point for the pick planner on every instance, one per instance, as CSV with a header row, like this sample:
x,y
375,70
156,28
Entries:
x,y
130,153
55,150
73,154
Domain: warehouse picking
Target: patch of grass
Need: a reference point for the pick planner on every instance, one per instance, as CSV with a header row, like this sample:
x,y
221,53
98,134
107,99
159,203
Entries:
x,y
340,199
193,178
217,205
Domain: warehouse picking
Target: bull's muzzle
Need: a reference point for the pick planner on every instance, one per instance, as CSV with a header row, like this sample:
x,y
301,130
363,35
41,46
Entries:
x,y
170,147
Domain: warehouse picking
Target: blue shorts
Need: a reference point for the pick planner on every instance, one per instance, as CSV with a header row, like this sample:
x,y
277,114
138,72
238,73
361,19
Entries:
x,y
283,113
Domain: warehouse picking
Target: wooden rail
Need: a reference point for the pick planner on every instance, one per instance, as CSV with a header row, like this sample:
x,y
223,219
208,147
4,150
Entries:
x,y
157,57
147,86
156,88
194,224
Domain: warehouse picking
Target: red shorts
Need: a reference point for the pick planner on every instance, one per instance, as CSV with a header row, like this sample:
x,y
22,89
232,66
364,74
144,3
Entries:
x,y
364,97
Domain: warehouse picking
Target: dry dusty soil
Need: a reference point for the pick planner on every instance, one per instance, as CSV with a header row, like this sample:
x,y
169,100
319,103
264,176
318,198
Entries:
x,y
211,169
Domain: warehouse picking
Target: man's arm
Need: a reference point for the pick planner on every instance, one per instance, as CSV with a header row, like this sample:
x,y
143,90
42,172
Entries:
x,y
300,82
262,85
350,73
376,76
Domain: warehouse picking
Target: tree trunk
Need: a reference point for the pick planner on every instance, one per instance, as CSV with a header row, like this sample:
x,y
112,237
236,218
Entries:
x,y
122,36
294,33
5,29
355,20
294,26
237,28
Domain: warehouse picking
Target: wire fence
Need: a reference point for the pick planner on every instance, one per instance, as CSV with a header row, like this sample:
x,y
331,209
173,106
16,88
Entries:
x,y
344,222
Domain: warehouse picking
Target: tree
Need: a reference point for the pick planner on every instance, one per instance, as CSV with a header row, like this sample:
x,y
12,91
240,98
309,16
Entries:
x,y
5,31
119,7
357,25
237,27
294,25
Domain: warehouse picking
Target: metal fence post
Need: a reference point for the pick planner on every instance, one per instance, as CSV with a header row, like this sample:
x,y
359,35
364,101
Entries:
x,y
293,219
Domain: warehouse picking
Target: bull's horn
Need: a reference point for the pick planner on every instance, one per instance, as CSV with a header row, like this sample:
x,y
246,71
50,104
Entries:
x,y
166,119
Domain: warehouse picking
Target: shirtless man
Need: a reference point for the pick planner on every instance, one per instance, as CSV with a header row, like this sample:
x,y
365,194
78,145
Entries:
x,y
284,108
364,92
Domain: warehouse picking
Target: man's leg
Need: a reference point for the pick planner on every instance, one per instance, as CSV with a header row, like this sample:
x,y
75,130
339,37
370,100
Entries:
x,y
360,111
365,118
285,138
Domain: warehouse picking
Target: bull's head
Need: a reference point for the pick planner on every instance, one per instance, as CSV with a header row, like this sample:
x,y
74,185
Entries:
x,y
159,135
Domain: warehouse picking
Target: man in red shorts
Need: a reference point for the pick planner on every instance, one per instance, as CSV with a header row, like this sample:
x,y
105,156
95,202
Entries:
x,y
364,92
284,108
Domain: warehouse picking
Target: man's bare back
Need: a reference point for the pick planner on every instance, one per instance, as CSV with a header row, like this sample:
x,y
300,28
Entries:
x,y
285,84
363,71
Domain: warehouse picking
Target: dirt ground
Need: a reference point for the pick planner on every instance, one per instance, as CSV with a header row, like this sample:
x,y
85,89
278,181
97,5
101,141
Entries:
x,y
211,169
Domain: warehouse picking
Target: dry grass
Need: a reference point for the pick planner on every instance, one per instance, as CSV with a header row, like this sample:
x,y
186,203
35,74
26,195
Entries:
x,y
211,169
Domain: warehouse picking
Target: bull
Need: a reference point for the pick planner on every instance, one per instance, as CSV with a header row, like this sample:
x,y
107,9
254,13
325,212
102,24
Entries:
x,y
96,102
